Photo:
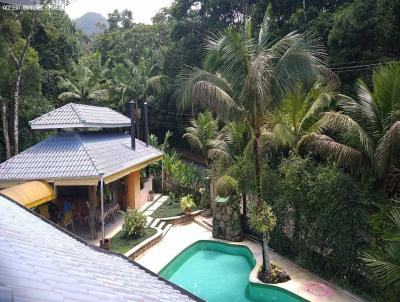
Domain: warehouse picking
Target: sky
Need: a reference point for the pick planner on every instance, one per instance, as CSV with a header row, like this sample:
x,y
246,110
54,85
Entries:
x,y
142,10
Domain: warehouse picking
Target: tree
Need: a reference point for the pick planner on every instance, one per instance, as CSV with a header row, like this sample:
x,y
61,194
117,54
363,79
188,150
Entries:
x,y
203,137
368,128
87,87
244,78
263,221
17,31
299,115
383,261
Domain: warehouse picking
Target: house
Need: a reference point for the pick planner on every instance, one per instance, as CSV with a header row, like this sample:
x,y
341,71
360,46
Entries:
x,y
39,261
89,152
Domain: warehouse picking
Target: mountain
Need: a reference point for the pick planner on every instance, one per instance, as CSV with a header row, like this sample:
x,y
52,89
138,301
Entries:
x,y
88,23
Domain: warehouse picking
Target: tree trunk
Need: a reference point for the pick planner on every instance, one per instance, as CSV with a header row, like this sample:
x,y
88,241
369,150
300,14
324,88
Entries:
x,y
244,199
16,114
19,64
257,133
6,134
266,267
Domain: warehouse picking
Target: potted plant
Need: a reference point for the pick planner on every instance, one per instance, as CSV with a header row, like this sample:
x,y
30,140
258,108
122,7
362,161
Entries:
x,y
105,245
187,204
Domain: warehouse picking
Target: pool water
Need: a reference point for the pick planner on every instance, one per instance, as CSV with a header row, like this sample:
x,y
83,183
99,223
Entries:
x,y
218,272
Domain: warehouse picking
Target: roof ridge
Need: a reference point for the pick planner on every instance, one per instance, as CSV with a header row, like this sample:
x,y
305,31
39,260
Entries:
x,y
91,157
47,114
76,112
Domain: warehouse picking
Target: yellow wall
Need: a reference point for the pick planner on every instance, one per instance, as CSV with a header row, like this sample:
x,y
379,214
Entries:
x,y
133,189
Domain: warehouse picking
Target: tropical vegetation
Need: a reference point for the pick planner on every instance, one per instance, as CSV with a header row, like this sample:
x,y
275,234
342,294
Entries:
x,y
287,98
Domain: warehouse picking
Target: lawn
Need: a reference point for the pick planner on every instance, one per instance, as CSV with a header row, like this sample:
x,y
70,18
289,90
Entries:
x,y
120,244
168,209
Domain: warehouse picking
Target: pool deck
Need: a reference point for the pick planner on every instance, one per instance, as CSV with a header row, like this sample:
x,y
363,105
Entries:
x,y
180,237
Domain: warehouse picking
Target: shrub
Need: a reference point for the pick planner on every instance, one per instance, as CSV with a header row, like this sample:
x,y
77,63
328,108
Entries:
x,y
134,223
226,186
187,203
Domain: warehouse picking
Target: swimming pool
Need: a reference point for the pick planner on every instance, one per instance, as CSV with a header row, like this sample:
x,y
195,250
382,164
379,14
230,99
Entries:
x,y
218,272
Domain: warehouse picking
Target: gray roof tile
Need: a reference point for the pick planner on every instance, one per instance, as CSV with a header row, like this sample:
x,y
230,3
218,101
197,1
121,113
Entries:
x,y
58,267
71,155
80,116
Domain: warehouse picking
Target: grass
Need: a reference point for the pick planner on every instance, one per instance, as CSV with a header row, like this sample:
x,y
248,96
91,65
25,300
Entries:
x,y
168,209
121,244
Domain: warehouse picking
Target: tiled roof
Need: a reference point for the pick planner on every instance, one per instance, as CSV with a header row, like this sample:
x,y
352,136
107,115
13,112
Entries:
x,y
40,262
80,116
71,155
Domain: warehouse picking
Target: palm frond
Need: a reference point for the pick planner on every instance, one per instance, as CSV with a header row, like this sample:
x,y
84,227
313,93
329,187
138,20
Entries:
x,y
386,82
299,58
236,52
212,89
326,148
263,35
100,95
66,84
388,149
158,84
69,96
384,263
352,133
283,137
210,96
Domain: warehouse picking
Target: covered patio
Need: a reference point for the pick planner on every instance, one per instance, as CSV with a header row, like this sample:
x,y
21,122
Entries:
x,y
90,175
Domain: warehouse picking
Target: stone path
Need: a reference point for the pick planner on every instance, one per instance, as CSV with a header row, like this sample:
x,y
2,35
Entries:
x,y
155,205
180,237
157,223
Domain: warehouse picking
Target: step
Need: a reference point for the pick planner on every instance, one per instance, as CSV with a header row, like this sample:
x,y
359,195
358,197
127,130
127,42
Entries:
x,y
155,222
166,229
161,225
149,220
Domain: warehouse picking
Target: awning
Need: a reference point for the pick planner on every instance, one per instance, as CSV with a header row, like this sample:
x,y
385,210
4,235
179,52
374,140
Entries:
x,y
30,194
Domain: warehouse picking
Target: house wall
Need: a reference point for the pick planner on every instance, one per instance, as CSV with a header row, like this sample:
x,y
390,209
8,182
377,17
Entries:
x,y
136,197
144,192
132,189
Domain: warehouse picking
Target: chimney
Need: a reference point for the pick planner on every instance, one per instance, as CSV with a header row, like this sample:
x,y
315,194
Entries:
x,y
133,124
146,123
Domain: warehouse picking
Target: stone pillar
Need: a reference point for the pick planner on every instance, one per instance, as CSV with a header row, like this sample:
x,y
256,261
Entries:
x,y
133,190
92,211
226,220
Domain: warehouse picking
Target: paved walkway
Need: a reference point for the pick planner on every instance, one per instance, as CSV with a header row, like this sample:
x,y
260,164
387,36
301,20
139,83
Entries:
x,y
155,205
180,237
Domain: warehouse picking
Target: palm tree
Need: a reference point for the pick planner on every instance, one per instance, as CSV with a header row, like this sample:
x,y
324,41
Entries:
x,y
243,78
236,135
86,87
367,128
299,115
384,261
203,136
134,81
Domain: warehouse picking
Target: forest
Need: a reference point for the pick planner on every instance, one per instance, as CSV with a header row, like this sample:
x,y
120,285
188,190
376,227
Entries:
x,y
324,147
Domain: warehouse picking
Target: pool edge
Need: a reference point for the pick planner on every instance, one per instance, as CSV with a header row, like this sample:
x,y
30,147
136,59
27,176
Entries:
x,y
252,278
